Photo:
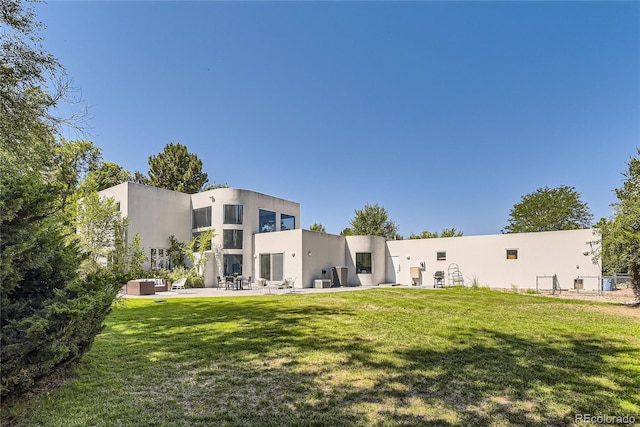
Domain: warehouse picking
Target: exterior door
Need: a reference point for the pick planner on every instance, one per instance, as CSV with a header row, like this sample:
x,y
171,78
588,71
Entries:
x,y
393,269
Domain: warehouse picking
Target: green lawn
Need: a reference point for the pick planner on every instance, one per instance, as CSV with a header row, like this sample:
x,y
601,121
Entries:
x,y
376,357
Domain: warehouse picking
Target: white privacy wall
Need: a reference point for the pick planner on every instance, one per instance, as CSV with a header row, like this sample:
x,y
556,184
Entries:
x,y
484,258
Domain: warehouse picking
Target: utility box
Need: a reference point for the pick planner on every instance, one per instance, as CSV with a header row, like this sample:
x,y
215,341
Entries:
x,y
321,283
415,275
340,276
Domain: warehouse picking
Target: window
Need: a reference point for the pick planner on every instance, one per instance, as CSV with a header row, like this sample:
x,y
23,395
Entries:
x,y
233,214
363,262
512,254
201,217
267,221
232,239
271,266
232,264
160,258
441,256
265,266
287,222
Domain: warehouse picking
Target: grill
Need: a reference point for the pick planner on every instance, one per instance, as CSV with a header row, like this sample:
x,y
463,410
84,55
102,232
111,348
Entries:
x,y
438,279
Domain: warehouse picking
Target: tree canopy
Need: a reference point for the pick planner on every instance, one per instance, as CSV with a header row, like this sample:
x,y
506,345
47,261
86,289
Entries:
x,y
175,169
107,174
549,209
373,220
446,232
621,235
49,315
317,227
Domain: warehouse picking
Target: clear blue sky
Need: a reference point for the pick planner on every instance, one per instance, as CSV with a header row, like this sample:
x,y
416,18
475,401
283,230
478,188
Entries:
x,y
445,113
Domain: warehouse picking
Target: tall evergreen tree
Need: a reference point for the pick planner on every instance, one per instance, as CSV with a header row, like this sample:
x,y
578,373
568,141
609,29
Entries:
x,y
176,169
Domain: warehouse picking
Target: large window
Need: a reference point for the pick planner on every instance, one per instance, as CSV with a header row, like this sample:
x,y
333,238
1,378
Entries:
x,y
271,266
232,264
287,222
267,221
363,263
232,239
202,217
233,214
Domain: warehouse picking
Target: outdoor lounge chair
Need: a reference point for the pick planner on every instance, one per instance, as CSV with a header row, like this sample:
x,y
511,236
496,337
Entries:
x,y
290,283
179,284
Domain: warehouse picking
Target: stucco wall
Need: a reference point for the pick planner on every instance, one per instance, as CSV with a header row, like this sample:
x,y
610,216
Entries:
x,y
484,258
289,244
327,251
252,202
154,213
376,246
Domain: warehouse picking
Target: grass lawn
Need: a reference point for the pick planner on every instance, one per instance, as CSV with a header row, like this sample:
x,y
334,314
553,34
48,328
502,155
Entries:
x,y
380,357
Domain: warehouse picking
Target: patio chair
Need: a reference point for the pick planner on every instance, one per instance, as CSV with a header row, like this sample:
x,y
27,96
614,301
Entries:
x,y
290,283
179,284
246,283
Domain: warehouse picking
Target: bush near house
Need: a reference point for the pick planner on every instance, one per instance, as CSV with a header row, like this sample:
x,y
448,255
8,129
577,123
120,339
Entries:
x,y
49,315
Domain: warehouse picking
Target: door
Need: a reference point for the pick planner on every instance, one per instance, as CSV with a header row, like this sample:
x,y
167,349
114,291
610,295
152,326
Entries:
x,y
393,269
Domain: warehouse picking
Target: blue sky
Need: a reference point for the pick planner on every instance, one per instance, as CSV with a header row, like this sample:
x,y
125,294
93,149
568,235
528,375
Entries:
x,y
445,113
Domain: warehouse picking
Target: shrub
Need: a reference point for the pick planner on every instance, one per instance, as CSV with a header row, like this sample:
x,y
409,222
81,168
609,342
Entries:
x,y
56,335
195,282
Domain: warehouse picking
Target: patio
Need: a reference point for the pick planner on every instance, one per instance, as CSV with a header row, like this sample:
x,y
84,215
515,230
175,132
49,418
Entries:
x,y
222,292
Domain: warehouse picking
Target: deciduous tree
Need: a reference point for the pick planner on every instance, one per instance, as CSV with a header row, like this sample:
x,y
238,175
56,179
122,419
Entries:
x,y
549,209
373,220
624,229
48,316
446,232
105,175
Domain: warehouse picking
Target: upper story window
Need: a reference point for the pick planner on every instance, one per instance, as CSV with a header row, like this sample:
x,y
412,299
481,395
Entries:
x,y
287,222
441,256
232,239
512,254
201,217
233,214
267,221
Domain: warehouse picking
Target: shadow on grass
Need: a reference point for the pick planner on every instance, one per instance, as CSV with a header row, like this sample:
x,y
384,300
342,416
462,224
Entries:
x,y
257,361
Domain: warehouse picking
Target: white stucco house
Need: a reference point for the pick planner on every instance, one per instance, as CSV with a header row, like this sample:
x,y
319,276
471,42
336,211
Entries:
x,y
259,236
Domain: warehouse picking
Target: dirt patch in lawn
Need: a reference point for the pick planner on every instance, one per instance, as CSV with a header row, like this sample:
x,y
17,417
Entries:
x,y
624,300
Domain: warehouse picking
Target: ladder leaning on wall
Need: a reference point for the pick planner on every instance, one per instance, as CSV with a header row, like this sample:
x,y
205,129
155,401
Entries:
x,y
455,276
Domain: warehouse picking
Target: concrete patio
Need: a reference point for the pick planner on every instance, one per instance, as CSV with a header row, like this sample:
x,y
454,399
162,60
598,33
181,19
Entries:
x,y
221,292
